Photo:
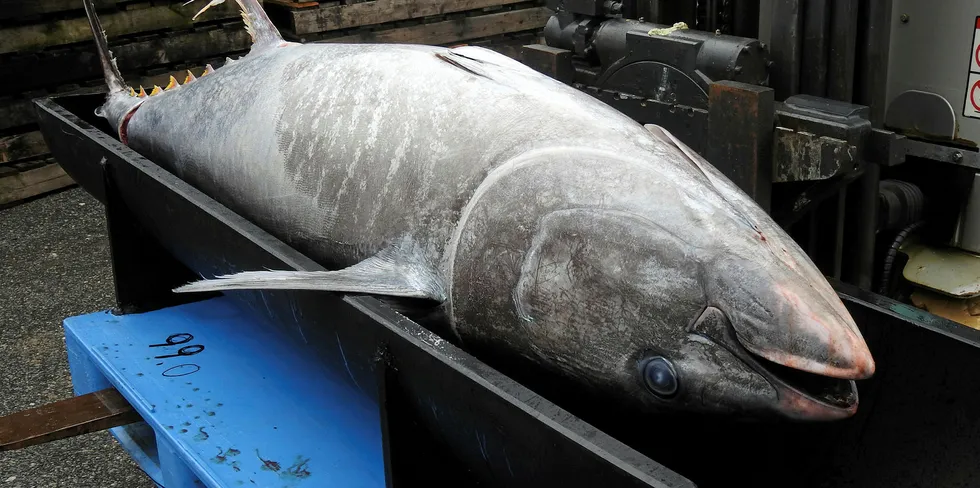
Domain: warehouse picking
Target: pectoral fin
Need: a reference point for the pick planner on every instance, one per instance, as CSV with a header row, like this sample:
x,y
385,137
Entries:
x,y
395,272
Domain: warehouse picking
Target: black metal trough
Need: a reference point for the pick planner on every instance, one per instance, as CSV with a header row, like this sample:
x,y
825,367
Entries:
x,y
917,424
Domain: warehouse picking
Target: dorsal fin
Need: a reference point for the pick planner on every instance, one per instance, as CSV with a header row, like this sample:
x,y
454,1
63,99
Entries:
x,y
264,33
112,77
484,62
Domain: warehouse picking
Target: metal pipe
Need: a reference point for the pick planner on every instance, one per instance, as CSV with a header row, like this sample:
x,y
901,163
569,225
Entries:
x,y
842,49
745,18
873,38
861,225
816,30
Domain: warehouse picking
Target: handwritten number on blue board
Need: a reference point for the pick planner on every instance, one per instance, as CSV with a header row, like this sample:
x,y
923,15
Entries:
x,y
172,340
184,351
180,369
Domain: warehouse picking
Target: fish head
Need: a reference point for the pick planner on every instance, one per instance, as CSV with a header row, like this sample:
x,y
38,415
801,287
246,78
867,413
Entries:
x,y
668,323
768,320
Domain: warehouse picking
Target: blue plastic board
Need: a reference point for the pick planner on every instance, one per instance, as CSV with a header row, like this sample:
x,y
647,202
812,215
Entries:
x,y
227,400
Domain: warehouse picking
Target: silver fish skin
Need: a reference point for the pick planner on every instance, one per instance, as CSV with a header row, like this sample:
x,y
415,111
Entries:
x,y
542,222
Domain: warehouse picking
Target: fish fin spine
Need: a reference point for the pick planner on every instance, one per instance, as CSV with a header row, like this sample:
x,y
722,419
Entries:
x,y
260,28
109,68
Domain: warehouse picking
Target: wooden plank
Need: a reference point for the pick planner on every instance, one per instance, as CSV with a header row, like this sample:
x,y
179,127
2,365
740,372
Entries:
x,y
327,18
293,4
67,31
458,29
27,184
93,412
22,146
13,9
73,65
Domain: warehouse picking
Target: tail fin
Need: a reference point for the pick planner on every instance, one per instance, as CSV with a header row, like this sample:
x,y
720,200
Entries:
x,y
263,32
109,68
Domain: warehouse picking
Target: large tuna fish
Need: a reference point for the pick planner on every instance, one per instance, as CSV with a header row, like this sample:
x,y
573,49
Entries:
x,y
538,219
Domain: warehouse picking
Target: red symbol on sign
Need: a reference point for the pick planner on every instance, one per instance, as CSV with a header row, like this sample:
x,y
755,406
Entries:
x,y
973,95
976,55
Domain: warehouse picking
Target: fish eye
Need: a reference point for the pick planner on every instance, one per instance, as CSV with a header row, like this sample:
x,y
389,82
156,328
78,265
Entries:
x,y
659,376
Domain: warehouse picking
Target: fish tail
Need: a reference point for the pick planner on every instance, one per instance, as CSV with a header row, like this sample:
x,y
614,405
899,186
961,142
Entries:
x,y
112,76
263,32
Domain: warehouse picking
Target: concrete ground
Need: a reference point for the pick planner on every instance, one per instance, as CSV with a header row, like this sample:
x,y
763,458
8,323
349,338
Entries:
x,y
54,263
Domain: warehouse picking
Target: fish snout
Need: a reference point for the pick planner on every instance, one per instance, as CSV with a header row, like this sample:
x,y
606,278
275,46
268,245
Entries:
x,y
815,335
795,333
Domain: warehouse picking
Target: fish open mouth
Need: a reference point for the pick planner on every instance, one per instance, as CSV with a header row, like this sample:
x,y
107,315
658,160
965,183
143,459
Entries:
x,y
833,392
801,395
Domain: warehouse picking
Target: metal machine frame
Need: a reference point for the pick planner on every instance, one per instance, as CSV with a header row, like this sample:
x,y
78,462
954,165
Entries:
x,y
797,123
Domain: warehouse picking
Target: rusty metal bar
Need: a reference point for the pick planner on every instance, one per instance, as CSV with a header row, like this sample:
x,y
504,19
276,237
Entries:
x,y
100,410
740,123
552,61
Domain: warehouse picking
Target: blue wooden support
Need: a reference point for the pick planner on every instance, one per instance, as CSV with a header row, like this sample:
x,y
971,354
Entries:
x,y
226,401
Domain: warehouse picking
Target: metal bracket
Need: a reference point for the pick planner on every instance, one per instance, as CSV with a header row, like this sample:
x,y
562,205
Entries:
x,y
804,156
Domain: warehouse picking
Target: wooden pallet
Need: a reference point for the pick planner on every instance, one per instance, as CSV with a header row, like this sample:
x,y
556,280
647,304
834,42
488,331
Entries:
x,y
28,179
20,9
295,4
334,16
22,146
134,19
457,30
53,68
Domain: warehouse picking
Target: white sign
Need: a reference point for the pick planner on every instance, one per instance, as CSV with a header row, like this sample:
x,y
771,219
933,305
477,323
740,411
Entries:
x,y
971,108
971,102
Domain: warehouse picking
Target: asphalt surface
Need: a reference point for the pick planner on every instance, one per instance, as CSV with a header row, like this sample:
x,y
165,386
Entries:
x,y
54,263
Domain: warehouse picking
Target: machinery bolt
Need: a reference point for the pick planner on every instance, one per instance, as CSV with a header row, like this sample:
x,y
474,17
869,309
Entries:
x,y
904,18
957,156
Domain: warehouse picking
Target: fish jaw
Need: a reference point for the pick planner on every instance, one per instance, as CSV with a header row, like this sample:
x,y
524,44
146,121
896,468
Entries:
x,y
799,395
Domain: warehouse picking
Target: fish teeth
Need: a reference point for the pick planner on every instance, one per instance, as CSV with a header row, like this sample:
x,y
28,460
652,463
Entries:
x,y
190,77
156,90
142,92
173,84
207,70
228,60
132,92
